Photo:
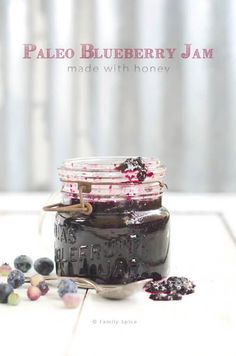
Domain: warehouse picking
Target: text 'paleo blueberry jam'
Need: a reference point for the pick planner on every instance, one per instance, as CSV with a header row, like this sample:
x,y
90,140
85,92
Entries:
x,y
111,225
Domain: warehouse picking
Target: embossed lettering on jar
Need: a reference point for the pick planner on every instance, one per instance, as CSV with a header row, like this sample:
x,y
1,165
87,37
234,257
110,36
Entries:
x,y
111,225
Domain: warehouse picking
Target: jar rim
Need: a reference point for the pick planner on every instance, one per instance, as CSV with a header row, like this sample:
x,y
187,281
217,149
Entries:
x,y
108,181
106,169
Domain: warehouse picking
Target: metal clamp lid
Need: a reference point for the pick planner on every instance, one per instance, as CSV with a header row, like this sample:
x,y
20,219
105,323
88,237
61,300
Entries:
x,y
82,207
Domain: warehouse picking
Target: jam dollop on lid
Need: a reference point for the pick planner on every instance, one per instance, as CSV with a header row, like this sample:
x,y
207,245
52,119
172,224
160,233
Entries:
x,y
132,165
113,178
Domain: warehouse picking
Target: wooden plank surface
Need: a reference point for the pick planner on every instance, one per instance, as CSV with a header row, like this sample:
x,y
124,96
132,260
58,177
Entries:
x,y
203,248
43,326
201,324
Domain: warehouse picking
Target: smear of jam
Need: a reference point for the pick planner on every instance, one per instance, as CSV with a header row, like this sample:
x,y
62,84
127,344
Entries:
x,y
135,169
173,288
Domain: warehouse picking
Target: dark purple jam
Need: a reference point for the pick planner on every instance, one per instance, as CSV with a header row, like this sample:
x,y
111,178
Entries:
x,y
119,242
173,288
134,165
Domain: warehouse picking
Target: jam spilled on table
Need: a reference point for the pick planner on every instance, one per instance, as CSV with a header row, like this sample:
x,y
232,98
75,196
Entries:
x,y
173,288
121,241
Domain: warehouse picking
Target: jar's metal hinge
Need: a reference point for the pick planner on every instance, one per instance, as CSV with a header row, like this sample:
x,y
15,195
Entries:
x,y
83,207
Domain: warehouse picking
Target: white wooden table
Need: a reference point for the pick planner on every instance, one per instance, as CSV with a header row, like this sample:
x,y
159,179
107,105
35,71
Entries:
x,y
203,248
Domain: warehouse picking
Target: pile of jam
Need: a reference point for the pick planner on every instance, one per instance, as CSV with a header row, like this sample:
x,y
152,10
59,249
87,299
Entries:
x,y
134,168
172,288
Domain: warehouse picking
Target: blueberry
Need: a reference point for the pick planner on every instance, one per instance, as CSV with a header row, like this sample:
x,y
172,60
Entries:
x,y
43,287
44,266
5,291
23,263
16,278
66,286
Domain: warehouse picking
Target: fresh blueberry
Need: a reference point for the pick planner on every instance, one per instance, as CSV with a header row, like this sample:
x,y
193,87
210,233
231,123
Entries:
x,y
44,266
66,286
16,278
5,291
23,263
43,287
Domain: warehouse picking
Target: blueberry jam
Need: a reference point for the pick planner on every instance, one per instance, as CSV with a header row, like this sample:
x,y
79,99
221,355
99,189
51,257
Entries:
x,y
117,243
123,233
131,165
173,288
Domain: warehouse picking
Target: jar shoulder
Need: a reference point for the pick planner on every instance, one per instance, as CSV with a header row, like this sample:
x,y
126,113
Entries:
x,y
116,219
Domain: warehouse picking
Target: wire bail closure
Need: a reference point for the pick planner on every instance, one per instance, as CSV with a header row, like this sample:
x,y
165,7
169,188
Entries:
x,y
82,207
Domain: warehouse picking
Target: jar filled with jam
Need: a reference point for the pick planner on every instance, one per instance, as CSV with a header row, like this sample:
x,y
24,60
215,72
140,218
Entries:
x,y
111,226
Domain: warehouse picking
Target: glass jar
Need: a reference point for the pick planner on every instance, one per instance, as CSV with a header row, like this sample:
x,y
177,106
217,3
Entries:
x,y
111,226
